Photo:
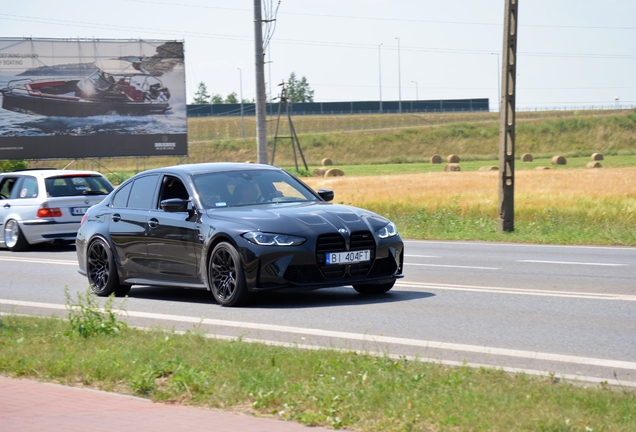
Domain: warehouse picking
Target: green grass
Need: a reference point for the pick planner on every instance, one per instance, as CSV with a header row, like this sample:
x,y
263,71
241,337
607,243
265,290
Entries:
x,y
401,139
328,387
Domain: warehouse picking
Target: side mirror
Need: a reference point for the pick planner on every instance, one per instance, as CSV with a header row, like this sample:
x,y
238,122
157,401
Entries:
x,y
175,205
325,194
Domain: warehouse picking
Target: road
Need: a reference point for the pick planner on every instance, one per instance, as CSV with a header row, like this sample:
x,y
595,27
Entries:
x,y
568,311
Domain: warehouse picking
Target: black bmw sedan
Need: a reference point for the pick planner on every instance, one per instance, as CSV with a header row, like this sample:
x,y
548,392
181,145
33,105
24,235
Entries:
x,y
234,229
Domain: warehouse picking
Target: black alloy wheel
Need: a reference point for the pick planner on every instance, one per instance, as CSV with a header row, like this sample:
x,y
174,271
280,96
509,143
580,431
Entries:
x,y
101,270
225,273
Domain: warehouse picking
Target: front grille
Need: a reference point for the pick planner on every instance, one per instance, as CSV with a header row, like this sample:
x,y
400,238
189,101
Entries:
x,y
330,243
360,240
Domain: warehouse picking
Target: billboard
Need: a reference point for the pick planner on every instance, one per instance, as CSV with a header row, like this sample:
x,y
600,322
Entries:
x,y
70,98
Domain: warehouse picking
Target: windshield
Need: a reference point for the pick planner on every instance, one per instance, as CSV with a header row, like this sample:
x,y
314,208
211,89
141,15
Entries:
x,y
241,188
74,185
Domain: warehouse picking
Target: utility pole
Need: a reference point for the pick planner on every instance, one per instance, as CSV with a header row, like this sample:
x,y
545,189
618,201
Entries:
x,y
261,114
507,119
399,79
380,73
241,96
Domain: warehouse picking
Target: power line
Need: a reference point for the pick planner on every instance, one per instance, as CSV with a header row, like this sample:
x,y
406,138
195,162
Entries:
x,y
366,18
23,18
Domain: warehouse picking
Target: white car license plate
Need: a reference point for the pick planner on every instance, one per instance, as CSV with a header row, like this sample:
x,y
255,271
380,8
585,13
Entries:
x,y
348,257
78,211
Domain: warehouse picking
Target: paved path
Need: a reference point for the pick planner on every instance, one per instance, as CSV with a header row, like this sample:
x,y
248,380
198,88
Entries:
x,y
29,406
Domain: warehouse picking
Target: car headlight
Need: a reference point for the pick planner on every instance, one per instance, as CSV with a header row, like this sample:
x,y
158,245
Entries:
x,y
270,239
387,231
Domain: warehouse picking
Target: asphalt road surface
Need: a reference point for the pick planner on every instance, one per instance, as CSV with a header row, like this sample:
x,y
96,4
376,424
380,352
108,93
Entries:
x,y
567,311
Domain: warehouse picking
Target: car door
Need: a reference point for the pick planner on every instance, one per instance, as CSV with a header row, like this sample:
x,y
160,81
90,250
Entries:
x,y
130,209
172,238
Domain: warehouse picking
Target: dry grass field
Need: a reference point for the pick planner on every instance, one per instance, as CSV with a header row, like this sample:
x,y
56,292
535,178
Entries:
x,y
566,204
564,189
584,206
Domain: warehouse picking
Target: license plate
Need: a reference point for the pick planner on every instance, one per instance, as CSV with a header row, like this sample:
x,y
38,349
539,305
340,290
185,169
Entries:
x,y
78,211
348,257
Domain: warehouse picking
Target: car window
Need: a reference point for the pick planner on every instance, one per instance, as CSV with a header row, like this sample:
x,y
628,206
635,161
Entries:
x,y
120,199
28,188
75,185
172,187
237,188
143,192
6,186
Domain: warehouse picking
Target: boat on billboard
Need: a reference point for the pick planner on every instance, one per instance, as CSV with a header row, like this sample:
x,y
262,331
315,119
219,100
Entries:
x,y
91,98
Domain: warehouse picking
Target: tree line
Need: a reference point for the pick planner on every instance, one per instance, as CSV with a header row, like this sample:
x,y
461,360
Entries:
x,y
297,90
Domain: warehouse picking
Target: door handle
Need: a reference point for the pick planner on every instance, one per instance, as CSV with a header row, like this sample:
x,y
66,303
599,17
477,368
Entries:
x,y
116,217
7,205
153,223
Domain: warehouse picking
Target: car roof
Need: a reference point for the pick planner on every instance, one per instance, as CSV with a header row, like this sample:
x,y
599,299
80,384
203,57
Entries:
x,y
50,172
202,168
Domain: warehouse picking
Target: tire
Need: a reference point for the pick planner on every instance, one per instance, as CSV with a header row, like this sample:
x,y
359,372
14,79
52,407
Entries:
x,y
226,277
380,288
102,271
13,238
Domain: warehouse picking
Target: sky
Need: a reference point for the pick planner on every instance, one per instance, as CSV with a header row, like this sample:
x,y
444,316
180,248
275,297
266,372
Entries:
x,y
571,53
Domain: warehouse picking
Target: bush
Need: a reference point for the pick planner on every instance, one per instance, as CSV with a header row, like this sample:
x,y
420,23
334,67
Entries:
x,y
87,318
11,165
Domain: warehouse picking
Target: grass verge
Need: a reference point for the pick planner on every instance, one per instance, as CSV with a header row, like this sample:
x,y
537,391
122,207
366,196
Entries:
x,y
327,387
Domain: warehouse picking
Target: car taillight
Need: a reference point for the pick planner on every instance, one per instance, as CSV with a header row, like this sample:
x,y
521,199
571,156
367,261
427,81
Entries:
x,y
83,219
47,212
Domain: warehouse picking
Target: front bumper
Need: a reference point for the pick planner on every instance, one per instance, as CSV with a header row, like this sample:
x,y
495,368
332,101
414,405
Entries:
x,y
270,268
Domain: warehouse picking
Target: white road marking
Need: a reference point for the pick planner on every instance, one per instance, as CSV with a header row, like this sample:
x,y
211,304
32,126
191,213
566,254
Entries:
x,y
573,263
39,260
451,266
517,245
590,361
518,291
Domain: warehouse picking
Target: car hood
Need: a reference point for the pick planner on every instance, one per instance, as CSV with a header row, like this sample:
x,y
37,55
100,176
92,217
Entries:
x,y
295,218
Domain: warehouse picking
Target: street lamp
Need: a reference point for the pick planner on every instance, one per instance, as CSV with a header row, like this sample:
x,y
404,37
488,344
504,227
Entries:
x,y
399,79
498,79
241,96
417,97
380,71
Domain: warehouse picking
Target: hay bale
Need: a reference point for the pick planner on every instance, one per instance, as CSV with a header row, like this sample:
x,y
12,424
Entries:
x,y
320,172
452,159
334,172
597,156
489,168
436,159
452,167
541,168
594,165
559,160
526,157
326,162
